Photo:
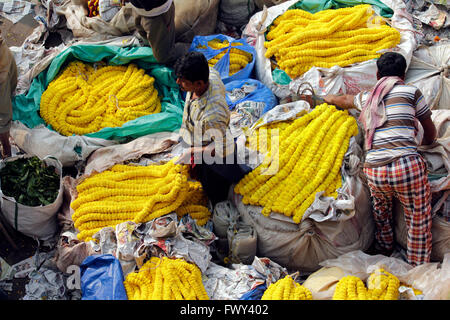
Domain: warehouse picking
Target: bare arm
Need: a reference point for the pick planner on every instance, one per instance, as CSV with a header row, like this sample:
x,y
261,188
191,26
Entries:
x,y
344,101
430,133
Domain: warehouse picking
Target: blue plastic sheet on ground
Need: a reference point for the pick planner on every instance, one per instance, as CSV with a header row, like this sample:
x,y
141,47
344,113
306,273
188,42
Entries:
x,y
260,94
254,294
26,106
223,65
102,278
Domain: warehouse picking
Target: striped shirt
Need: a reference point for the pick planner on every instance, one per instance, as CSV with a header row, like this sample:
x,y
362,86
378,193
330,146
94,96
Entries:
x,y
206,118
404,105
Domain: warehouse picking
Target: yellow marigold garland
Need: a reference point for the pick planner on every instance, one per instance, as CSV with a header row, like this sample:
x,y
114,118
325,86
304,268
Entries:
x,y
350,288
166,279
309,159
286,289
136,193
299,40
238,58
85,99
381,285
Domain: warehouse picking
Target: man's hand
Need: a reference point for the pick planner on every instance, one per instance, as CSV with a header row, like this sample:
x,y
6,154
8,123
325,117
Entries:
x,y
197,152
6,146
185,157
429,131
344,101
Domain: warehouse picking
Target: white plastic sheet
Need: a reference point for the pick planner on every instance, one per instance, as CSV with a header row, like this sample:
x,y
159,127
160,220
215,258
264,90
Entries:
x,y
42,142
429,71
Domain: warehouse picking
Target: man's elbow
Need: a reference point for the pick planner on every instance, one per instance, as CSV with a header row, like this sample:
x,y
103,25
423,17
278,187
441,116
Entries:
x,y
428,139
429,136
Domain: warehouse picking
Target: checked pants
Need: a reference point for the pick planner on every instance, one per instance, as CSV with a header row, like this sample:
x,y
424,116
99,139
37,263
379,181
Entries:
x,y
406,179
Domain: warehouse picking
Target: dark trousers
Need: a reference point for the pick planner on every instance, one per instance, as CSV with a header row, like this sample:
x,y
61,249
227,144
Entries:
x,y
216,179
160,33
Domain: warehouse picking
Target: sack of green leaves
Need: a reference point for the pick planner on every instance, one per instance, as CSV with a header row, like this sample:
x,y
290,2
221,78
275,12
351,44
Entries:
x,y
31,193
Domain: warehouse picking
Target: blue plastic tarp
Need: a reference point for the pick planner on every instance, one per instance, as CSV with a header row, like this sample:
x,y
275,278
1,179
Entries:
x,y
102,278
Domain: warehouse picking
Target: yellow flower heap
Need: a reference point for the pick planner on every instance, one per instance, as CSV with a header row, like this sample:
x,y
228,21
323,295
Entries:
x,y
300,40
286,289
166,279
238,58
308,161
261,138
136,193
381,285
350,288
84,99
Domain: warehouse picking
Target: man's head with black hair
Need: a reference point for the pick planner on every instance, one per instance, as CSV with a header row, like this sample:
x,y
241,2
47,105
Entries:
x,y
391,64
192,71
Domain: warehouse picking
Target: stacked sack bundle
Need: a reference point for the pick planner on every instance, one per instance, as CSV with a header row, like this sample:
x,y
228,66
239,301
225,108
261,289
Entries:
x,y
136,193
299,40
307,161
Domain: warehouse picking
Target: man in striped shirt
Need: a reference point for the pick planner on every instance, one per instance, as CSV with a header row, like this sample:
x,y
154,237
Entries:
x,y
209,144
390,115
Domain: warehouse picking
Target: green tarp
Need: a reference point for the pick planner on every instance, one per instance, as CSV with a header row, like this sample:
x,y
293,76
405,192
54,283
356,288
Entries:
x,y
26,106
313,6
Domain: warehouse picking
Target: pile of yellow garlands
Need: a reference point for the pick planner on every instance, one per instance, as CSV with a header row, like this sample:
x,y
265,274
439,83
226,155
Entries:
x,y
286,289
85,99
381,285
136,193
238,58
166,279
299,40
307,161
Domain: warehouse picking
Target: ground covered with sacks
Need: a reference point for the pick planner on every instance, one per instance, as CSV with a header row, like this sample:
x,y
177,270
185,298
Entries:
x,y
94,207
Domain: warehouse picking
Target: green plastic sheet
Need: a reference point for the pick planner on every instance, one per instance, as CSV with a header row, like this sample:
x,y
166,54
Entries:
x,y
313,6
26,106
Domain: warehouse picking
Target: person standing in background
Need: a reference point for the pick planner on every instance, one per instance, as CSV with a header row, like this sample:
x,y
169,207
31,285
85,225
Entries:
x,y
8,83
155,22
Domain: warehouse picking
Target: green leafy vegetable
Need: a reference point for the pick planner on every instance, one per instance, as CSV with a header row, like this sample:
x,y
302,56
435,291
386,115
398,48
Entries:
x,y
30,181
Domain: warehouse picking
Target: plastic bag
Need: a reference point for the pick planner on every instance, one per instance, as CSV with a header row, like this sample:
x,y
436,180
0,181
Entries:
x,y
223,65
239,91
108,9
361,265
433,279
36,222
322,283
255,294
102,278
26,107
429,72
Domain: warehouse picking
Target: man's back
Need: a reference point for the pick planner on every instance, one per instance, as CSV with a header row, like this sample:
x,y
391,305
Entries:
x,y
404,106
